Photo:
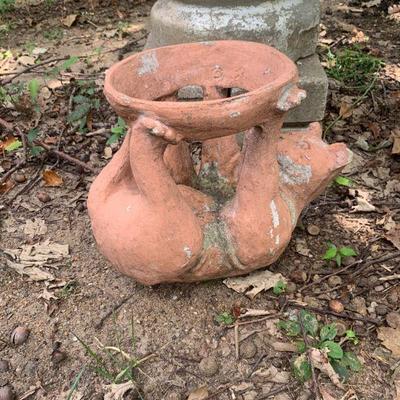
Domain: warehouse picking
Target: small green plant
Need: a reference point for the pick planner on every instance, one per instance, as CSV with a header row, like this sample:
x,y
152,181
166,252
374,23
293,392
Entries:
x,y
342,181
337,254
279,288
324,338
112,363
225,318
67,289
6,5
118,131
353,67
83,104
65,65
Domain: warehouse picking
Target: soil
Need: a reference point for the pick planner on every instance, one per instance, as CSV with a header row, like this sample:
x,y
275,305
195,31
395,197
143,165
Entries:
x,y
176,324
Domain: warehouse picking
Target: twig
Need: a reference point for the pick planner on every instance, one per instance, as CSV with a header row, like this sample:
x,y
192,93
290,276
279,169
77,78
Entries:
x,y
66,157
253,321
99,132
276,391
114,308
237,340
365,265
256,364
335,314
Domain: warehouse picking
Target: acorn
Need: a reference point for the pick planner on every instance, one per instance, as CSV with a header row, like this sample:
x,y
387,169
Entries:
x,y
4,365
313,230
43,197
336,306
7,393
19,335
19,178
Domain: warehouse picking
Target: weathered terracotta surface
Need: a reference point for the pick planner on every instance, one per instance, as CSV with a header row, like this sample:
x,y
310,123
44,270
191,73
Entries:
x,y
158,217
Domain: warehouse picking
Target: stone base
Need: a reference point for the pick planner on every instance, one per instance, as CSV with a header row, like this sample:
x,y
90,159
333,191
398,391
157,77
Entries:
x,y
315,82
290,26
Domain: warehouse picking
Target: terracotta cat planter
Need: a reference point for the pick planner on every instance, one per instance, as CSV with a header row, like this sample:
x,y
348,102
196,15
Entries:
x,y
161,214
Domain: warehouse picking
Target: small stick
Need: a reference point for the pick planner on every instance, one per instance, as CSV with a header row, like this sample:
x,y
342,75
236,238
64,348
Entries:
x,y
255,366
335,314
237,340
276,391
272,316
366,265
66,157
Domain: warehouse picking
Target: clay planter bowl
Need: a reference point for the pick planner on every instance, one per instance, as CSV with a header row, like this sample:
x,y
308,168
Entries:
x,y
148,83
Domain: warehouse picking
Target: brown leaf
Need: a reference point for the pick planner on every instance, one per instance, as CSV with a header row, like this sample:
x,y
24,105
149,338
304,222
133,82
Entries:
x,y
118,391
200,393
390,339
319,360
346,108
394,236
6,186
396,141
326,395
52,178
69,20
47,295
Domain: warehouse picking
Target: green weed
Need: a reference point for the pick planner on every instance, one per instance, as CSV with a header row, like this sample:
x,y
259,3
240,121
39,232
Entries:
x,y
353,67
337,254
324,338
112,363
225,318
279,288
118,131
6,5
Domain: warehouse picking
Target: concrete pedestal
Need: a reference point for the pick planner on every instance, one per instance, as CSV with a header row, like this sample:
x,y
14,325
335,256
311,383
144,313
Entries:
x,y
291,26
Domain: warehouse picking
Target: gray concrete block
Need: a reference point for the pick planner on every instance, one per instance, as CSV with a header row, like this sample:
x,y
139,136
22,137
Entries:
x,y
315,82
291,26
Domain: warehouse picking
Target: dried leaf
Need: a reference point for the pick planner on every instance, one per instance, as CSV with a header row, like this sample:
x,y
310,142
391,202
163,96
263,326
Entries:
x,y
256,282
200,393
35,227
302,247
52,178
34,273
118,391
326,395
396,141
272,374
390,339
393,235
69,20
47,295
6,186
8,143
319,360
346,110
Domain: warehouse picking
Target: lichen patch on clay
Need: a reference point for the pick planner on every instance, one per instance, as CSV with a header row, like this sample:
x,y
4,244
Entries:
x,y
292,173
149,63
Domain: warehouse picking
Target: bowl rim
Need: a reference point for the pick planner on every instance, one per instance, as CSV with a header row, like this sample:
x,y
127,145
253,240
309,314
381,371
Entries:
x,y
124,100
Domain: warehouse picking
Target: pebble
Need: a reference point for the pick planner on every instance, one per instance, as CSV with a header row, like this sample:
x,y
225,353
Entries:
x,y
291,288
248,349
393,319
341,328
311,301
359,305
4,365
19,178
336,306
43,197
173,396
334,281
298,276
208,366
313,230
381,309
393,298
379,288
348,261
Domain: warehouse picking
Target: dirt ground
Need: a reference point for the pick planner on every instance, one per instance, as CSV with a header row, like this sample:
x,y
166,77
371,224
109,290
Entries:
x,y
175,325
